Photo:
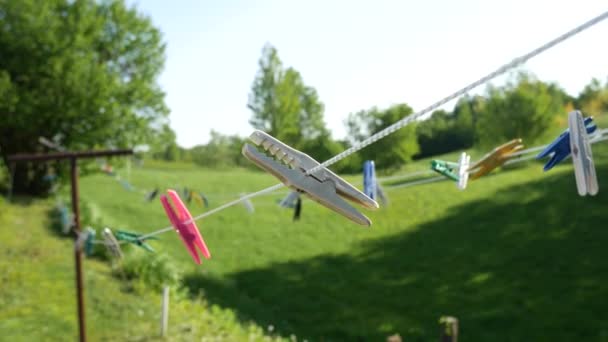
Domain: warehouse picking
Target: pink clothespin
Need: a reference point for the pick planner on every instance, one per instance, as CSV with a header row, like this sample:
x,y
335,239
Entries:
x,y
180,219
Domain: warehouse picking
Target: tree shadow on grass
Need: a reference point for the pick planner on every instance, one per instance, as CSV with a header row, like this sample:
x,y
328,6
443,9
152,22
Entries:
x,y
527,264
20,200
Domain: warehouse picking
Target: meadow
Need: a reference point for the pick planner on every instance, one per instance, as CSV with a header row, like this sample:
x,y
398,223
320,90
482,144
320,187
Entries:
x,y
517,256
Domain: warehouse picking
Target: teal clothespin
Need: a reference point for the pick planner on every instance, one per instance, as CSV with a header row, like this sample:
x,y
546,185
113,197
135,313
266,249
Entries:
x,y
88,243
65,218
134,238
205,201
49,177
447,169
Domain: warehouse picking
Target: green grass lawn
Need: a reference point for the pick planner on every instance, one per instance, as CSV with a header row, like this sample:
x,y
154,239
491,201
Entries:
x,y
518,256
38,301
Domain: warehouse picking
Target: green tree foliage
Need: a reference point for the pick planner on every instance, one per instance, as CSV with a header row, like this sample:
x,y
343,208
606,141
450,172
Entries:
x,y
522,109
593,100
222,151
282,105
392,151
82,72
323,148
163,146
352,164
446,132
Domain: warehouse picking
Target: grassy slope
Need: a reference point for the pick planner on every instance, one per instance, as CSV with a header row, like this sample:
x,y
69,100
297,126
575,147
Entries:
x,y
518,256
37,297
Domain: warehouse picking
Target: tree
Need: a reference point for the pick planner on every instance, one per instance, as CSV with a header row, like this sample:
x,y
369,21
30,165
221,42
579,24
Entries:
x,y
392,151
81,72
593,100
436,134
466,114
282,105
164,146
445,132
323,148
220,152
523,109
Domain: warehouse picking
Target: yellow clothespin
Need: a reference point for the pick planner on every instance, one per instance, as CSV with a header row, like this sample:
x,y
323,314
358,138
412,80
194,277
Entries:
x,y
495,159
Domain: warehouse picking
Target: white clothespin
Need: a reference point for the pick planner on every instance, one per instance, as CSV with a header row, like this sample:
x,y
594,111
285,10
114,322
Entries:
x,y
582,157
111,243
463,170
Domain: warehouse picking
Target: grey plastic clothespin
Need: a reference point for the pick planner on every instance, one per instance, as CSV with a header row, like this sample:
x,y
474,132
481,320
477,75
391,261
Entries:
x,y
322,186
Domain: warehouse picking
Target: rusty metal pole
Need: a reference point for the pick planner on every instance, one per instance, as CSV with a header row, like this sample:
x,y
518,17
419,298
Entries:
x,y
73,157
77,252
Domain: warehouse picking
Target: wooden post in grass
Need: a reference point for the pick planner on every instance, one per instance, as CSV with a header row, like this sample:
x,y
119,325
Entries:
x,y
11,175
73,157
449,329
164,316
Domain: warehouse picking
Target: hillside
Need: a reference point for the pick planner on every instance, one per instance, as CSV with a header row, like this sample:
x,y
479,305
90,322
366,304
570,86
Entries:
x,y
517,256
496,256
37,292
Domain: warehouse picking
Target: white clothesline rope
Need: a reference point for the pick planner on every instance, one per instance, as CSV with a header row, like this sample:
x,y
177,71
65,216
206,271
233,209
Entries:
x,y
405,121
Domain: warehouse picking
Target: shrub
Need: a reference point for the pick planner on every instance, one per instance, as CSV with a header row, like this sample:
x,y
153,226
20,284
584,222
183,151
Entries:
x,y
153,269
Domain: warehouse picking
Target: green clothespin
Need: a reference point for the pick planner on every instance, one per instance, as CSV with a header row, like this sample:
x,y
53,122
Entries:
x,y
447,169
135,239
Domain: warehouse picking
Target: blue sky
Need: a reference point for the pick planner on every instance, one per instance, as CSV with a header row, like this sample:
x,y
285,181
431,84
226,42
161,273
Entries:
x,y
359,54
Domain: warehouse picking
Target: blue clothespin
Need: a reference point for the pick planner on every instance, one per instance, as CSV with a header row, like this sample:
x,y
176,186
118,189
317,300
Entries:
x,y
560,147
371,186
369,179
